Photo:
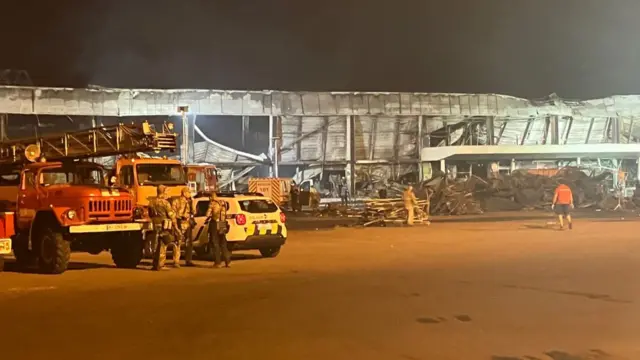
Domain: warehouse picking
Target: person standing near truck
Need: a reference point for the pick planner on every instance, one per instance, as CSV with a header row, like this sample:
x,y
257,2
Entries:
x,y
217,217
164,224
183,207
562,204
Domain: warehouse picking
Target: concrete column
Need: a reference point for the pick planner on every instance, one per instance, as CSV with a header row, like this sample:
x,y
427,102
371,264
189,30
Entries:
x,y
638,170
443,166
276,149
490,130
513,165
245,130
350,168
578,161
420,146
184,148
271,173
554,131
615,130
4,124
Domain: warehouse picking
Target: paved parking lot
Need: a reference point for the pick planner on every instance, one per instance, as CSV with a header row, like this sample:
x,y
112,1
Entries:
x,y
455,290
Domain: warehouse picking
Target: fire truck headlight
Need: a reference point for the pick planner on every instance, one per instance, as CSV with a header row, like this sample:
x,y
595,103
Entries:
x,y
71,214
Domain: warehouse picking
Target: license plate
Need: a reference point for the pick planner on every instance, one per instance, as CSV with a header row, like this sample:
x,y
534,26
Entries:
x,y
121,227
264,226
5,246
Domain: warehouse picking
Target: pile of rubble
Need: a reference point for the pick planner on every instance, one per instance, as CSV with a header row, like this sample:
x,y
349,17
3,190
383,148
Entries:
x,y
385,211
518,191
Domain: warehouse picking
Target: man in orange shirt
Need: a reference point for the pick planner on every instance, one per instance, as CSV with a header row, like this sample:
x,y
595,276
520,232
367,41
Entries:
x,y
563,203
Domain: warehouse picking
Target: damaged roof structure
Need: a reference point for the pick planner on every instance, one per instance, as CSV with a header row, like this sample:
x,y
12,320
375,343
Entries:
x,y
387,134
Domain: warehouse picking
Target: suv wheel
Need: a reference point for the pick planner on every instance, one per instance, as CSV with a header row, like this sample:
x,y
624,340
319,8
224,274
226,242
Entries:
x,y
54,252
270,252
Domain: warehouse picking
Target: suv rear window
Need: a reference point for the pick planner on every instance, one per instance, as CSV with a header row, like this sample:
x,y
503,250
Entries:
x,y
258,206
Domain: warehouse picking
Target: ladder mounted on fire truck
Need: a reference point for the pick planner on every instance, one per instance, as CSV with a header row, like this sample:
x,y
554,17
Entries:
x,y
97,142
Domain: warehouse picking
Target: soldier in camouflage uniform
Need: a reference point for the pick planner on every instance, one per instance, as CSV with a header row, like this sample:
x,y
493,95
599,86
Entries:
x,y
183,207
217,215
164,223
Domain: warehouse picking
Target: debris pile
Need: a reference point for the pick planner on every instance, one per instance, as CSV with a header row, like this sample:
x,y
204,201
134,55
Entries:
x,y
384,211
518,191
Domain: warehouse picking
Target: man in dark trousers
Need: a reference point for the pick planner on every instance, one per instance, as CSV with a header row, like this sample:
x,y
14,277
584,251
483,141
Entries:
x,y
294,193
218,228
562,204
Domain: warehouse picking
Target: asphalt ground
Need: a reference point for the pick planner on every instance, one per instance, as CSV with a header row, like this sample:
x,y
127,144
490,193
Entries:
x,y
501,290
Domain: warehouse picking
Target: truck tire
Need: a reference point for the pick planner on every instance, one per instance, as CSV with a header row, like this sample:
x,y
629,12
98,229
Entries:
x,y
127,251
54,252
270,252
24,256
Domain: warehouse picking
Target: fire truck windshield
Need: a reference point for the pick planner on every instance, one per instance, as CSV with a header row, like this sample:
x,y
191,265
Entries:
x,y
160,174
78,175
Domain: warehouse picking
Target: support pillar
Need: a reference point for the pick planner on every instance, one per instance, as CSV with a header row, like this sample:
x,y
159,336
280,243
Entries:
x,y
615,130
579,161
638,169
349,170
490,130
271,152
554,131
192,138
4,124
184,147
245,131
276,151
443,166
513,165
420,146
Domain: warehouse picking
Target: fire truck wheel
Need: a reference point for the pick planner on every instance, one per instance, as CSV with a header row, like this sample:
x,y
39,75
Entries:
x,y
24,256
270,252
127,251
54,252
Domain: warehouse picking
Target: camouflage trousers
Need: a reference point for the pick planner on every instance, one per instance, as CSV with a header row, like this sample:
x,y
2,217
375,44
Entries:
x,y
187,242
165,241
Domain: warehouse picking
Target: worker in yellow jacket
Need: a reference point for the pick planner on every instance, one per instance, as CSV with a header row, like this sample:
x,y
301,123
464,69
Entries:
x,y
410,203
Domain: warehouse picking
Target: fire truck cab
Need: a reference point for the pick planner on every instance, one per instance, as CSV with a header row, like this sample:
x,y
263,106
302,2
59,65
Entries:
x,y
142,176
202,178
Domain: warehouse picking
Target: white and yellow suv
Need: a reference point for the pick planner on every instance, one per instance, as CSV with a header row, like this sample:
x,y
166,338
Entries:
x,y
255,223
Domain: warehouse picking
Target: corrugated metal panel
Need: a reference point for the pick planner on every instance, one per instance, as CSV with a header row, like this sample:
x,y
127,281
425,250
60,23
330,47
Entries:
x,y
289,126
384,138
537,132
599,131
151,102
311,146
336,138
513,131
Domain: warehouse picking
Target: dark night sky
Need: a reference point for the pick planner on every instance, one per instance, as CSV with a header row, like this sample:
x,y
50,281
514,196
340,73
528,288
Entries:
x,y
577,48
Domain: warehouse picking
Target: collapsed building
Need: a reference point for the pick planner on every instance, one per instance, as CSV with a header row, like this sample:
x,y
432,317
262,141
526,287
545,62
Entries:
x,y
365,140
